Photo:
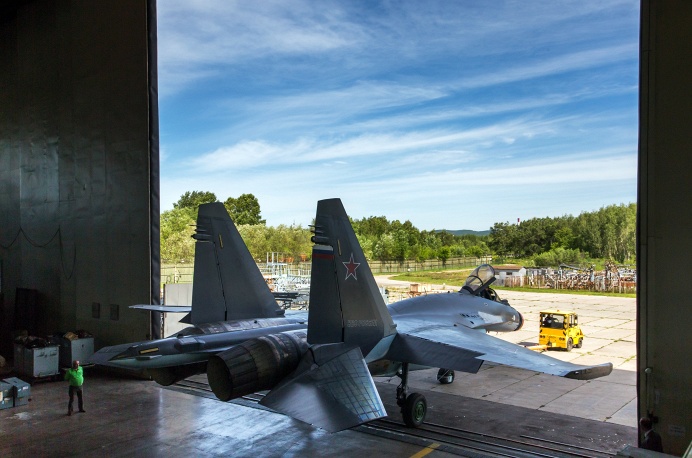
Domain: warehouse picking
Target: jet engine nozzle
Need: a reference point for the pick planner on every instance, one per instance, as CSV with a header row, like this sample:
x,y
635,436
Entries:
x,y
255,365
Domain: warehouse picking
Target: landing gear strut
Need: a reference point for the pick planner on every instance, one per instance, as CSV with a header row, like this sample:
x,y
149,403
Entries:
x,y
413,406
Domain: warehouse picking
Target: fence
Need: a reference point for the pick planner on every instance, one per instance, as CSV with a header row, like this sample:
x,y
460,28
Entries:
x,y
573,282
382,267
298,275
183,273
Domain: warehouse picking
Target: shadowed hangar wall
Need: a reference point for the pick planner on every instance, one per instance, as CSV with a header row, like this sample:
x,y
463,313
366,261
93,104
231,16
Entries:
x,y
79,211
665,221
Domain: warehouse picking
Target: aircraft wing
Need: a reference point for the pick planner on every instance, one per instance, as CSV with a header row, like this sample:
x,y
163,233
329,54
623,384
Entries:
x,y
163,308
103,356
464,349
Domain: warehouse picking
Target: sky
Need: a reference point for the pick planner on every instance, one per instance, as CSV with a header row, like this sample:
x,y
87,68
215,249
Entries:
x,y
449,114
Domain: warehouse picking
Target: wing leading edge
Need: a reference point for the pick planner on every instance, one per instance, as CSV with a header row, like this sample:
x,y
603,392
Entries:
x,y
456,348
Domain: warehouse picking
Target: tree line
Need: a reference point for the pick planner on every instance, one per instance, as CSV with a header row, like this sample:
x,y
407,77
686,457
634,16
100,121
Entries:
x,y
177,227
607,233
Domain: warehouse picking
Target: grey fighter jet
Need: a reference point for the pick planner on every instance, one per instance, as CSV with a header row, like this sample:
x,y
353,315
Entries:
x,y
323,376
352,335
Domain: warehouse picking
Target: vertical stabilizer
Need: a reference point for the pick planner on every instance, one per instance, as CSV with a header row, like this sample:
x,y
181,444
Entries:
x,y
227,284
345,303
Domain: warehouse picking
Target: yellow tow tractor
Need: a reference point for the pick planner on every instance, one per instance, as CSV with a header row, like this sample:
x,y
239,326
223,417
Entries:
x,y
559,329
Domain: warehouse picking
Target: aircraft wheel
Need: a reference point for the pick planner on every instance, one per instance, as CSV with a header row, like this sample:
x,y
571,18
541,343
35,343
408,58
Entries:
x,y
414,410
569,344
445,376
578,345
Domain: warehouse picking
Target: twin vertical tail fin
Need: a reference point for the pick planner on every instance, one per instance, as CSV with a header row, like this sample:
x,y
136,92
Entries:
x,y
332,387
345,303
227,284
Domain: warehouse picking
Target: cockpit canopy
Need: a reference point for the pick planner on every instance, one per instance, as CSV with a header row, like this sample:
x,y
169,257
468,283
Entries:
x,y
478,280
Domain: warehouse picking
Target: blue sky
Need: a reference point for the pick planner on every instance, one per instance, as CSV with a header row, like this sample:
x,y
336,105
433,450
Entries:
x,y
450,114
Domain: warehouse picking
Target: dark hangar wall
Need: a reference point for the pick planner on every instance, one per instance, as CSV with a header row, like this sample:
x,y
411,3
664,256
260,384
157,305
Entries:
x,y
79,211
664,352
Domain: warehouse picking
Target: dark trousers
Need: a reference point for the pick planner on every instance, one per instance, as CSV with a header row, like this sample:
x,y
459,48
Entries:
x,y
73,390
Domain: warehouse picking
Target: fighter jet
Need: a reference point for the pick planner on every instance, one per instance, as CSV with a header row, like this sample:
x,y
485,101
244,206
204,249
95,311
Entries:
x,y
231,303
325,377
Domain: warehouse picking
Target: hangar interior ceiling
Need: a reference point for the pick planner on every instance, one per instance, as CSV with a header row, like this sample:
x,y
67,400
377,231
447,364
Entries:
x,y
78,168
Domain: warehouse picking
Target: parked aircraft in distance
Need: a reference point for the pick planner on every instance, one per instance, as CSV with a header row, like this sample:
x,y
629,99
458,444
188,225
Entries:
x,y
324,376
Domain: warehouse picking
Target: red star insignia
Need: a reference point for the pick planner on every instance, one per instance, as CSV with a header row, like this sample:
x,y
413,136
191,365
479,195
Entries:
x,y
351,267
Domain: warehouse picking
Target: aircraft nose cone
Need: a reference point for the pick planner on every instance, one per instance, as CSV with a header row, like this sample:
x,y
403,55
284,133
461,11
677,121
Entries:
x,y
521,321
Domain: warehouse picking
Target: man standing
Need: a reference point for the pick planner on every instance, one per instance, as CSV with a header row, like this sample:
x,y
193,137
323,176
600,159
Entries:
x,y
652,440
75,376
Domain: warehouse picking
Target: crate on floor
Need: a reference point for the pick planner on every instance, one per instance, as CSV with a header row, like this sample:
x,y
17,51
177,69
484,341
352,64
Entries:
x,y
21,390
38,362
75,349
6,395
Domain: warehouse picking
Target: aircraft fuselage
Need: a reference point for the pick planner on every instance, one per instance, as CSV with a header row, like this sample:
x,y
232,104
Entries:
x,y
196,344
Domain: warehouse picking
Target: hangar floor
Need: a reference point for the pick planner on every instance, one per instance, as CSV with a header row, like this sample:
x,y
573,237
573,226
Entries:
x,y
130,417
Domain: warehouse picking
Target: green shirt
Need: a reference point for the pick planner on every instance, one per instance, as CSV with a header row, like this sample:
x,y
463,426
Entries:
x,y
75,376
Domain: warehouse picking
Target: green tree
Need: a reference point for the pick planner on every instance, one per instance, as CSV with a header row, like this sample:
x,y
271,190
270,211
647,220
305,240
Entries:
x,y
293,241
443,255
383,248
557,256
402,246
502,238
177,227
244,210
194,199
476,251
256,238
374,226
607,233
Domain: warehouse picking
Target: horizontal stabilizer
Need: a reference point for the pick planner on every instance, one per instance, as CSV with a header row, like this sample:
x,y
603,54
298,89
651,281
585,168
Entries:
x,y
331,389
106,354
163,308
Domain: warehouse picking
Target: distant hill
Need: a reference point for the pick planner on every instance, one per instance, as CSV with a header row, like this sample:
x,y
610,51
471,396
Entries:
x,y
467,232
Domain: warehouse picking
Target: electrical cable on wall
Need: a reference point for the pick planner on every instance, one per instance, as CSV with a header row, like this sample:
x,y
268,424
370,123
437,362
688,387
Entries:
x,y
58,233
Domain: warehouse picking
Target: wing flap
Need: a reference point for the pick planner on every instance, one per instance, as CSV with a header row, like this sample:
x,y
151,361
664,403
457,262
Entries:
x,y
331,388
488,348
425,352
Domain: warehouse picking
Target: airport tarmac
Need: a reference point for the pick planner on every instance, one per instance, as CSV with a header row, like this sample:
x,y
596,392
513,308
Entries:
x,y
132,417
609,325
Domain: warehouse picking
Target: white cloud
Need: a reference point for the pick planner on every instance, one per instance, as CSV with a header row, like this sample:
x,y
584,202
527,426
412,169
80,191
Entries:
x,y
430,111
555,66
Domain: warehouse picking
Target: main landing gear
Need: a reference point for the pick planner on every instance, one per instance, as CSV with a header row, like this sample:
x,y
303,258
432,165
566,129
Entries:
x,y
414,405
445,376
